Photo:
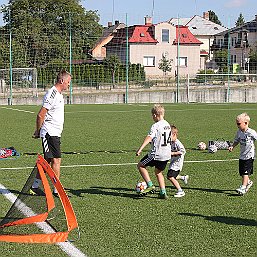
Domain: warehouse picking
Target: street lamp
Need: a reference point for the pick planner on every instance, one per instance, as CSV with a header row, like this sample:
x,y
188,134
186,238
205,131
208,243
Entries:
x,y
243,56
243,46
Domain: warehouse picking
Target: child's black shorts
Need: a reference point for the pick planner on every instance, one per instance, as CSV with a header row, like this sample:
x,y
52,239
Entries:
x,y
246,167
172,173
149,161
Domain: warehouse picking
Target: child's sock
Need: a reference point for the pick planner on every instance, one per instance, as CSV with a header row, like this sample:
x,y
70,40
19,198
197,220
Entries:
x,y
149,183
163,191
180,190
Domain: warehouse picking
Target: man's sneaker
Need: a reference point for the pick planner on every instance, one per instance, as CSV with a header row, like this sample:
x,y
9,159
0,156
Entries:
x,y
250,183
36,191
163,196
241,191
150,189
179,194
186,177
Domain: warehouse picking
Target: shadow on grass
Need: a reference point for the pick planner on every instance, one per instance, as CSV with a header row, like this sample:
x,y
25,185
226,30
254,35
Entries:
x,y
224,219
90,152
112,191
214,190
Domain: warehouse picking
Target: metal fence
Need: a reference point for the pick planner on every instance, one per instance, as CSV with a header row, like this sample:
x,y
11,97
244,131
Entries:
x,y
29,64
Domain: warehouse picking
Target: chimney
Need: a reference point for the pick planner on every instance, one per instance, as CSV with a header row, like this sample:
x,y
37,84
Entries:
x,y
148,20
206,15
256,17
109,24
117,22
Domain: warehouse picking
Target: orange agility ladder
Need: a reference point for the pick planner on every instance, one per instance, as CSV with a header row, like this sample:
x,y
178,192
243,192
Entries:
x,y
29,210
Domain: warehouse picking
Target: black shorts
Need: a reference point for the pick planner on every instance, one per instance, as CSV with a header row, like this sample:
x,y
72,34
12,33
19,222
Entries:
x,y
172,173
149,161
246,167
51,146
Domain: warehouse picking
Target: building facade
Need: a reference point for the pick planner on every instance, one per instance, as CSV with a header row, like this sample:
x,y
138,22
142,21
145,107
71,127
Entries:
x,y
147,45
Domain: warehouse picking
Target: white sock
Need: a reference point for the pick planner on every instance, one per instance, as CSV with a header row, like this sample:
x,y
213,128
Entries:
x,y
37,182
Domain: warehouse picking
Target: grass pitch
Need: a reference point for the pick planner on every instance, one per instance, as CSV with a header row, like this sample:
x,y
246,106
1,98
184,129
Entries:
x,y
99,172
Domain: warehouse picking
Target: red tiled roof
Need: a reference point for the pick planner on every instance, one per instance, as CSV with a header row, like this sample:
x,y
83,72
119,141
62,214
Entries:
x,y
203,52
142,34
185,36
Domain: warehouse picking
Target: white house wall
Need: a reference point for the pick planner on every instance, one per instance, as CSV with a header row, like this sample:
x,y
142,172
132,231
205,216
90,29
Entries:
x,y
137,52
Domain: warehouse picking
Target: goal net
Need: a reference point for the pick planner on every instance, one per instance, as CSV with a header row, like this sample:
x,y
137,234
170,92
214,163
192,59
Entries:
x,y
37,216
22,82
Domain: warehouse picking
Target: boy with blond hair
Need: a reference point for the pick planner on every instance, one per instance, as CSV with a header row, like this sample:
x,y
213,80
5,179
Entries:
x,y
246,137
158,156
178,152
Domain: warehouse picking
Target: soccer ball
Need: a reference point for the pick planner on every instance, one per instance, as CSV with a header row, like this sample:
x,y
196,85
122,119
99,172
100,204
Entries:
x,y
213,149
141,186
201,146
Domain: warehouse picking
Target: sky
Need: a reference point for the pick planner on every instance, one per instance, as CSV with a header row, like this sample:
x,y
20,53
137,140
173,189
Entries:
x,y
133,11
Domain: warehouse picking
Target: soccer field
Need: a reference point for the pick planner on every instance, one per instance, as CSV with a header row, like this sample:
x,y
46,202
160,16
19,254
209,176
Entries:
x,y
99,173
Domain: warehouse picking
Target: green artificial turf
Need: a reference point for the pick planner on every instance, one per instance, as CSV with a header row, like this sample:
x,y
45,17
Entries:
x,y
99,173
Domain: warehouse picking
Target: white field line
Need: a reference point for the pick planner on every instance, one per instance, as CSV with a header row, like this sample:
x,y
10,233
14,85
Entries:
x,y
14,109
128,111
115,164
67,247
167,109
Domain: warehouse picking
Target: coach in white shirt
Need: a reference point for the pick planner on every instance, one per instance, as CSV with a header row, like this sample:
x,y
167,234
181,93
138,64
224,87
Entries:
x,y
49,122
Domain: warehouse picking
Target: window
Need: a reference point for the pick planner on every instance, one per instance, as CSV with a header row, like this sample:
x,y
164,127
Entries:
x,y
165,35
233,41
220,42
182,61
149,61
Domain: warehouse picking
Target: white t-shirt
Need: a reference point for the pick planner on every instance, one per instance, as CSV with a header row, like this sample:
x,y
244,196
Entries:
x,y
246,140
160,146
176,162
53,123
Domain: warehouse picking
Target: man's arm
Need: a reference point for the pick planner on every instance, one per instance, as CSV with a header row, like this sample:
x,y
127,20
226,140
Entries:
x,y
39,122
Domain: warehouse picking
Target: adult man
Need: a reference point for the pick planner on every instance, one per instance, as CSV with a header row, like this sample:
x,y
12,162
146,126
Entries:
x,y
49,124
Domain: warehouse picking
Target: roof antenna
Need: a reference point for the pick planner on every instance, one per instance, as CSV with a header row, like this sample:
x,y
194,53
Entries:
x,y
195,7
112,11
153,9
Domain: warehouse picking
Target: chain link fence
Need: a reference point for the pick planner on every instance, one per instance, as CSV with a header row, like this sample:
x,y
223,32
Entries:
x,y
32,54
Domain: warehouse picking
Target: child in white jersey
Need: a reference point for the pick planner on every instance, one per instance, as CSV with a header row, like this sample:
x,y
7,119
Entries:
x,y
246,137
158,156
178,152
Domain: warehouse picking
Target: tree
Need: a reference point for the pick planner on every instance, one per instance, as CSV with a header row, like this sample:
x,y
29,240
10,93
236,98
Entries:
x,y
43,28
240,20
221,58
112,62
253,59
214,18
165,64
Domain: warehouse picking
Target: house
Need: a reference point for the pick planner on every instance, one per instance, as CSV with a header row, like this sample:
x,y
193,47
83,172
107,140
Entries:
x,y
98,52
147,44
240,41
204,30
